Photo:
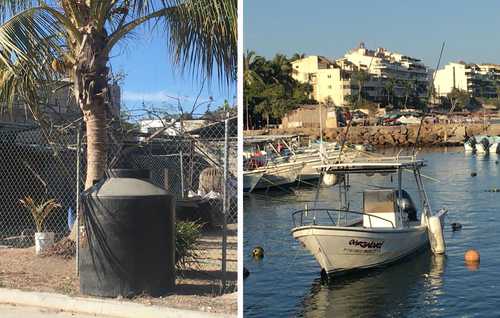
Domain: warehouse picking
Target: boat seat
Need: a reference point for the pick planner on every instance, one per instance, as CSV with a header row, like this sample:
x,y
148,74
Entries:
x,y
381,204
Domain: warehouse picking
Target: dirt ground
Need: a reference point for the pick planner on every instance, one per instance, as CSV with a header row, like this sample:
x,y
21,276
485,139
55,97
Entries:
x,y
197,288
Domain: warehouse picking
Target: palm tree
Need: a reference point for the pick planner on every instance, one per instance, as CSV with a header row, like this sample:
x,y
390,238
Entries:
x,y
409,88
360,76
250,76
389,86
44,41
297,56
250,72
282,71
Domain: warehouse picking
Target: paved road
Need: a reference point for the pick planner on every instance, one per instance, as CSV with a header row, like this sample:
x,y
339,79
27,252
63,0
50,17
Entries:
x,y
9,311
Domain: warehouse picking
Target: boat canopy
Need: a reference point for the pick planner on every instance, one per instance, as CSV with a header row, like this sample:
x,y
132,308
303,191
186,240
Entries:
x,y
268,138
376,164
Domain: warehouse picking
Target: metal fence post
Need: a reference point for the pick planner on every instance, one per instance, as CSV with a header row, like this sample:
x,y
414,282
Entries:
x,y
181,156
78,181
225,203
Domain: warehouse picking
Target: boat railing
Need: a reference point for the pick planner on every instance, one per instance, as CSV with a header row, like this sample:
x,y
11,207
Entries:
x,y
335,217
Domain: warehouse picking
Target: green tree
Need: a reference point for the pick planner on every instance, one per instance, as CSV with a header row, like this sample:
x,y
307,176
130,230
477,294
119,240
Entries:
x,y
360,77
43,41
409,89
389,86
269,88
297,56
458,99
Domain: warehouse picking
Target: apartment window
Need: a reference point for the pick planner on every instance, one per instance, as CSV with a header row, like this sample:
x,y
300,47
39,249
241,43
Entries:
x,y
329,86
329,76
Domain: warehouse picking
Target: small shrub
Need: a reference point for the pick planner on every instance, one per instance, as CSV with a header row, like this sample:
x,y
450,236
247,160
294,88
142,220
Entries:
x,y
186,242
39,211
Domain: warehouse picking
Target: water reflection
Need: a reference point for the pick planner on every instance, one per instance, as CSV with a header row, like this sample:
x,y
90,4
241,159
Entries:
x,y
472,266
392,291
286,282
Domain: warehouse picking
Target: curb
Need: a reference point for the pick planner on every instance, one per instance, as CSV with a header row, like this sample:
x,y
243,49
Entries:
x,y
96,306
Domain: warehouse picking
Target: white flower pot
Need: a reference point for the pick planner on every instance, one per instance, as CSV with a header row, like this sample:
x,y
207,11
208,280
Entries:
x,y
43,240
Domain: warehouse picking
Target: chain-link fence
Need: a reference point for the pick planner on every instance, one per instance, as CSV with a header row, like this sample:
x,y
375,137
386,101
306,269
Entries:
x,y
198,167
33,164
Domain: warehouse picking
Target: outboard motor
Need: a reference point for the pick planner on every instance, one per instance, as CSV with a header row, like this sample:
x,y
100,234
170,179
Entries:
x,y
407,206
486,143
471,141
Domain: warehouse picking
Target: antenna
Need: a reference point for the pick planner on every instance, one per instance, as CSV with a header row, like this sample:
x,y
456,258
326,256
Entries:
x,y
431,85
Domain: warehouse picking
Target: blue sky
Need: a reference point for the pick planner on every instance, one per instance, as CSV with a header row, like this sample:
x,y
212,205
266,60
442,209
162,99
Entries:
x,y
471,29
152,79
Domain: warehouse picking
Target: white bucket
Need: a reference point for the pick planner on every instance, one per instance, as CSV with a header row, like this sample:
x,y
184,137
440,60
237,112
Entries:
x,y
43,240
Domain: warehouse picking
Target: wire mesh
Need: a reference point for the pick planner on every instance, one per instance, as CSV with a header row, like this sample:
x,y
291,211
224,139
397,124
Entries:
x,y
41,165
44,165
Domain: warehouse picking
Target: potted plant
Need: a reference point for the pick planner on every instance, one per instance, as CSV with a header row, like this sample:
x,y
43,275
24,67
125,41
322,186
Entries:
x,y
40,212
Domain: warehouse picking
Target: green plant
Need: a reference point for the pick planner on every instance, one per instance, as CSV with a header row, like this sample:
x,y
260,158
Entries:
x,y
39,211
187,235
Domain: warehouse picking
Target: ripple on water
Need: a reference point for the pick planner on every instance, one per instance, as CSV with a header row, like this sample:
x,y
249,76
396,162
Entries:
x,y
286,282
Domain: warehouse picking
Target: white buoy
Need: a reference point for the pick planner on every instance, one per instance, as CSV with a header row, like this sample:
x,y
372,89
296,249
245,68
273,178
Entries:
x,y
329,179
436,237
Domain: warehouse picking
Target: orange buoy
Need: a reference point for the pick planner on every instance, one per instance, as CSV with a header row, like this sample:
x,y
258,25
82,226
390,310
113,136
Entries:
x,y
472,256
472,266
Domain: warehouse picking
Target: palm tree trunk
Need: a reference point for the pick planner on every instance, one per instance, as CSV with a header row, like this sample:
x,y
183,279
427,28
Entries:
x,y
90,85
360,87
95,122
90,82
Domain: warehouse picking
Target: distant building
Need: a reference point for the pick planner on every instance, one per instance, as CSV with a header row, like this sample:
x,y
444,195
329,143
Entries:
x,y
479,80
174,127
326,77
334,80
308,116
60,107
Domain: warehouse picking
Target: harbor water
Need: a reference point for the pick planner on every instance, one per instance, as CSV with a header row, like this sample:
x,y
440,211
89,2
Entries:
x,y
286,281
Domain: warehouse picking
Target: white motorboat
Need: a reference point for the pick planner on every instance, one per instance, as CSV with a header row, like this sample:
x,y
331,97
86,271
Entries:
x,y
469,146
386,229
313,159
251,178
494,147
482,148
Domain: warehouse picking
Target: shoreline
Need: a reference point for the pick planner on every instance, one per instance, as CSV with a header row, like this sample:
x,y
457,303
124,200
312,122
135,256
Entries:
x,y
405,135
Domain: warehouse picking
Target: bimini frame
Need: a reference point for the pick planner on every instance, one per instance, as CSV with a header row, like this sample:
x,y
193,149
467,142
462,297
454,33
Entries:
x,y
382,165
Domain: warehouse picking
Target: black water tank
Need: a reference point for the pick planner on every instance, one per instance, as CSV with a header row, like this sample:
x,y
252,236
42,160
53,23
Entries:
x,y
129,243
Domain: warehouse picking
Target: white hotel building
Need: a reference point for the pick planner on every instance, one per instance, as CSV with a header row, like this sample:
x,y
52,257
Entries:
x,y
332,80
479,80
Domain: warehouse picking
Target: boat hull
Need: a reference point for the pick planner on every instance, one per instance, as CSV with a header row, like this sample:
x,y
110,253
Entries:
x,y
250,180
279,176
468,147
342,249
480,148
494,148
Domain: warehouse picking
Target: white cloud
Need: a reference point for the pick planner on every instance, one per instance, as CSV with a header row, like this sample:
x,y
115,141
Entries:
x,y
159,96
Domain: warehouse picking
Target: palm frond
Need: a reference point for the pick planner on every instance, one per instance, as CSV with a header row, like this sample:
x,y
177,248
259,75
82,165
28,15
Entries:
x,y
9,8
202,33
39,211
29,42
203,37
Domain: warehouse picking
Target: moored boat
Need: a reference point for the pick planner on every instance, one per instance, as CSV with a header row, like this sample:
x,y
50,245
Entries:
x,y
388,227
470,145
251,178
277,175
